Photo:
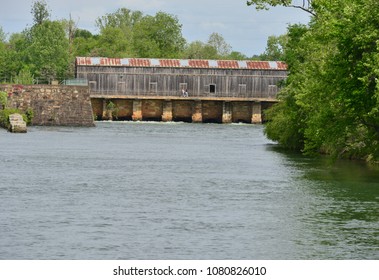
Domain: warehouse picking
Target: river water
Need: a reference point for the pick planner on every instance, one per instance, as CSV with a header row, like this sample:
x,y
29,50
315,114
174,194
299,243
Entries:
x,y
127,190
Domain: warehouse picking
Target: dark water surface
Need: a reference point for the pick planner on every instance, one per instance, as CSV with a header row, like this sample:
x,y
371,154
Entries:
x,y
179,191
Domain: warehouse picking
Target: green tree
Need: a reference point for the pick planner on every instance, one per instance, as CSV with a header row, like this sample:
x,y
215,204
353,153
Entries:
x,y
333,82
116,33
286,119
218,42
85,43
12,57
158,36
113,43
275,48
237,56
2,53
200,50
47,51
123,18
40,12
3,36
215,48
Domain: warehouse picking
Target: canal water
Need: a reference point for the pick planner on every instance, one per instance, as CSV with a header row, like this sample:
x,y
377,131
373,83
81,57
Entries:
x,y
179,191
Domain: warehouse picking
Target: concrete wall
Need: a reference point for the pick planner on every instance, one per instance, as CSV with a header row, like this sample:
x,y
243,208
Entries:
x,y
52,105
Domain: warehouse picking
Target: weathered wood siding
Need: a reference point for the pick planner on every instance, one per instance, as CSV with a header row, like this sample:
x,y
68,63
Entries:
x,y
153,81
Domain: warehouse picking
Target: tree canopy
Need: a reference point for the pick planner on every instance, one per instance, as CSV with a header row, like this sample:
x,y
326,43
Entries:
x,y
46,50
330,103
40,12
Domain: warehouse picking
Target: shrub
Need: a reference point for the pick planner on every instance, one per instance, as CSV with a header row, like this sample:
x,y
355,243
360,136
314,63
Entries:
x,y
3,99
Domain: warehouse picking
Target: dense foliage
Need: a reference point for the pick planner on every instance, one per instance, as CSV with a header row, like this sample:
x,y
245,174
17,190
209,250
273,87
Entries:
x,y
330,103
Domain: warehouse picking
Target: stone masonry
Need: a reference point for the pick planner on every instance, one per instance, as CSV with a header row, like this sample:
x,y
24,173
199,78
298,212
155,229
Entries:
x,y
17,124
52,105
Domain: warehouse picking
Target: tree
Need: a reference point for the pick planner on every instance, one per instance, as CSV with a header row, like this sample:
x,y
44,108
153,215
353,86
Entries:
x,y
123,18
275,48
331,96
116,33
47,51
3,36
85,43
215,48
218,42
286,120
200,50
2,53
113,43
158,36
237,56
13,56
40,12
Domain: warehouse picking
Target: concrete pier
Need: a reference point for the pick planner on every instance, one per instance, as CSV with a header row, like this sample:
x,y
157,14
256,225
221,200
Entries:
x,y
167,111
226,112
137,110
187,109
256,116
197,112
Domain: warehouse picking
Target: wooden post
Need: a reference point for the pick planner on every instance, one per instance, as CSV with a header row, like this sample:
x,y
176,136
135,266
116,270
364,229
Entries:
x,y
197,112
226,112
256,116
167,111
137,110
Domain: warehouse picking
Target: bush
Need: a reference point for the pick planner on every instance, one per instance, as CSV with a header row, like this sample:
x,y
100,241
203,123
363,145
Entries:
x,y
3,99
29,115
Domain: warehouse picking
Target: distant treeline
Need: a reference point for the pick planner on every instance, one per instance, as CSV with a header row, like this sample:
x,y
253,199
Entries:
x,y
46,50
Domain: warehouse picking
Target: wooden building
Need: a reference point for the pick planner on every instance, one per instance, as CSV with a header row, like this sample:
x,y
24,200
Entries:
x,y
168,77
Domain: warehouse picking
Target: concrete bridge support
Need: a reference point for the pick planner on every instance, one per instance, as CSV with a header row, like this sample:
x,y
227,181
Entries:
x,y
167,111
227,112
180,109
256,109
197,112
137,110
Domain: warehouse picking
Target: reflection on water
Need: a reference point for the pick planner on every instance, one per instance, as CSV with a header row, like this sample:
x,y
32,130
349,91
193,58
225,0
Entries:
x,y
179,191
345,212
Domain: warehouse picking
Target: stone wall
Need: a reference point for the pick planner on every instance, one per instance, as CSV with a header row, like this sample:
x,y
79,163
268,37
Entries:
x,y
54,105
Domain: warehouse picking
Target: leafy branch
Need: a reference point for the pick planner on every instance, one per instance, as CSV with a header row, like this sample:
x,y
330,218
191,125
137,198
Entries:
x,y
263,5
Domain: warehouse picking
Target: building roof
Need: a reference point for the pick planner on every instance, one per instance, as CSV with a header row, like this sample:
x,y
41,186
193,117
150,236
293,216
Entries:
x,y
181,63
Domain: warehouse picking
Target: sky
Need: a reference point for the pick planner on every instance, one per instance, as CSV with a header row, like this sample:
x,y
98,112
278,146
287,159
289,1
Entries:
x,y
242,27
